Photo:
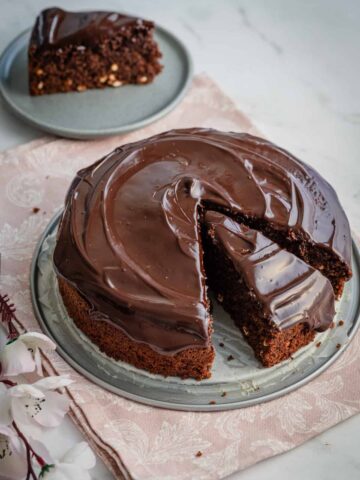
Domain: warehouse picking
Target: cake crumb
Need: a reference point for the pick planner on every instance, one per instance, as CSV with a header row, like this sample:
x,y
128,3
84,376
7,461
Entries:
x,y
230,357
223,394
338,346
341,323
212,402
318,344
36,210
198,454
221,344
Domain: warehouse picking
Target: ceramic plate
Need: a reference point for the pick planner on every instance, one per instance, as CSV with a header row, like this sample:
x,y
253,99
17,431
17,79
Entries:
x,y
237,382
96,113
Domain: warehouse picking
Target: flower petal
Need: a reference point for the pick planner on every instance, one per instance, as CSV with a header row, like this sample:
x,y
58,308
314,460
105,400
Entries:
x,y
53,383
37,340
16,359
7,431
23,415
80,455
27,424
41,450
37,359
13,457
5,409
25,390
65,471
53,410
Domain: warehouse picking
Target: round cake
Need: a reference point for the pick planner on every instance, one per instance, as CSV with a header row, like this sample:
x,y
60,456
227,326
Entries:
x,y
149,228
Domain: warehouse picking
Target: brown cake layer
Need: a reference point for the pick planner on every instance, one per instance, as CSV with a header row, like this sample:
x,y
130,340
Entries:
x,y
75,51
189,363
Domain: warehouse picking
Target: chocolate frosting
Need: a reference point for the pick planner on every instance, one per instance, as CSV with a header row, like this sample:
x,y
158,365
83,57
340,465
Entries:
x,y
129,237
289,290
55,27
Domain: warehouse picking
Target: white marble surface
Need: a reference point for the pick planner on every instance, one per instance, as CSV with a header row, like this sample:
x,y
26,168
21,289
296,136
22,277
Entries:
x,y
293,67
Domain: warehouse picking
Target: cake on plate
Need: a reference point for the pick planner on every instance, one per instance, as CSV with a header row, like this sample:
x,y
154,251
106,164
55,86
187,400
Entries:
x,y
75,51
148,228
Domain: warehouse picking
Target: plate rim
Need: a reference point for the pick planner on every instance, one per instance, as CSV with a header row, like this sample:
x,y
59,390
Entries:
x,y
105,132
174,405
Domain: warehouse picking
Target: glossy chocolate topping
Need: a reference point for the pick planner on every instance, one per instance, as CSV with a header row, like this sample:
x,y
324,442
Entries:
x,y
289,290
55,27
129,237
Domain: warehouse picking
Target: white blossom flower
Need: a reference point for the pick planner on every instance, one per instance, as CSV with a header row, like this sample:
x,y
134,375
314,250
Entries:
x,y
13,462
74,464
34,407
22,355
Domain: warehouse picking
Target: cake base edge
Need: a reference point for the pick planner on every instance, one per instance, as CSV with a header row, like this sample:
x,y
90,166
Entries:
x,y
189,363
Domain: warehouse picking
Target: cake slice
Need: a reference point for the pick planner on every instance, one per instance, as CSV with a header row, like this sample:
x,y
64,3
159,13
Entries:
x,y
276,299
74,51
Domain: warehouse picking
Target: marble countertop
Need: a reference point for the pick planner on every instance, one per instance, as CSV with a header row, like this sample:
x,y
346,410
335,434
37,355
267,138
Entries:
x,y
293,68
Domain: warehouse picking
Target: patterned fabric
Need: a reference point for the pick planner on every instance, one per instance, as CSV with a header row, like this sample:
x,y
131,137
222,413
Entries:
x,y
137,441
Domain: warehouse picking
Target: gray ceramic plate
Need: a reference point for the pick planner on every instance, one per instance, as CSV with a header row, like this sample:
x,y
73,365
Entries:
x,y
96,113
243,379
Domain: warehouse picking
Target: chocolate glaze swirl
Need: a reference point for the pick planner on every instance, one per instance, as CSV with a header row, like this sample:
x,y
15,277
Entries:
x,y
55,27
289,290
129,237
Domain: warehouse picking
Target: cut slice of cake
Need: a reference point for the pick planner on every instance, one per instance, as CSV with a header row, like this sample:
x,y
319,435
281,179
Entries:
x,y
74,51
277,300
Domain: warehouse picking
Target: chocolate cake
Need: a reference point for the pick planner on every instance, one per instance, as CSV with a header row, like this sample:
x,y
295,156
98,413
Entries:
x,y
276,299
138,245
74,51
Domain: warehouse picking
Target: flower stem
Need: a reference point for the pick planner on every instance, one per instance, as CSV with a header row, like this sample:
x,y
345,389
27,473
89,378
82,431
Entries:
x,y
7,315
29,451
9,383
12,331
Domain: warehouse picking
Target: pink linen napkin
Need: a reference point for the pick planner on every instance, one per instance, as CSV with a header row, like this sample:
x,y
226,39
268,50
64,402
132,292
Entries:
x,y
137,441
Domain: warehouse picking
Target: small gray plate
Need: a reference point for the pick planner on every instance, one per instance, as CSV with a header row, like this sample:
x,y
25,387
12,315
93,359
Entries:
x,y
96,113
236,382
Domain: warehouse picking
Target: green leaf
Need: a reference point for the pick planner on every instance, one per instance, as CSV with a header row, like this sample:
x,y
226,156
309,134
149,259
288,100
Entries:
x,y
46,469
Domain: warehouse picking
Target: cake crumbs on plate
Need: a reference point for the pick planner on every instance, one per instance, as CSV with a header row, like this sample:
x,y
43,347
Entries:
x,y
338,345
230,357
35,210
341,323
198,454
318,344
221,344
223,394
212,402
